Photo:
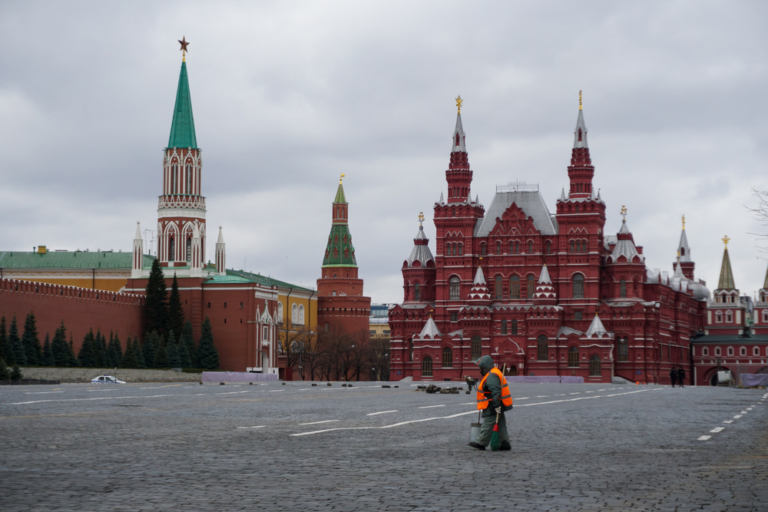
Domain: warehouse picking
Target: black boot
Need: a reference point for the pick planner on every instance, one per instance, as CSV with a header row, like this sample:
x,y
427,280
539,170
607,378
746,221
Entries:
x,y
505,446
477,446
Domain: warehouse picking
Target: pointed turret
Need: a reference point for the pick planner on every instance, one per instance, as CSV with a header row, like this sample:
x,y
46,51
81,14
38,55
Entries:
x,y
596,328
581,169
625,246
458,175
726,281
138,253
479,291
196,262
420,252
430,330
183,125
684,252
221,254
545,292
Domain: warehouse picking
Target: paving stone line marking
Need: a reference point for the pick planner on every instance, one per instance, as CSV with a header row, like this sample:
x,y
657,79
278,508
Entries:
x,y
433,406
704,438
258,426
318,422
717,429
42,392
88,399
452,415
377,413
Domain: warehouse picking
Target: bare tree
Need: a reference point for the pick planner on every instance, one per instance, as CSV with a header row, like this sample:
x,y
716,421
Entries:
x,y
761,212
378,350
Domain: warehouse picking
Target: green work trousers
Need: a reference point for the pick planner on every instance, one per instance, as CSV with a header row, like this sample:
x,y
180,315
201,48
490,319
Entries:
x,y
484,438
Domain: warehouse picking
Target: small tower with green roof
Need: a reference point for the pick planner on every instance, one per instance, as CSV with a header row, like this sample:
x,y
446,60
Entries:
x,y
341,303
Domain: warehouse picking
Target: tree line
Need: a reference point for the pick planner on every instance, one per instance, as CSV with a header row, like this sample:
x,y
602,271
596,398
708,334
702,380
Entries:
x,y
335,355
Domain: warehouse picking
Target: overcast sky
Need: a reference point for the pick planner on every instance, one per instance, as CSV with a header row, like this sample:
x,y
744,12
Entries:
x,y
288,95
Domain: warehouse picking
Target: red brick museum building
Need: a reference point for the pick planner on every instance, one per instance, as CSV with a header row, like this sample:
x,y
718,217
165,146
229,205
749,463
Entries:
x,y
544,293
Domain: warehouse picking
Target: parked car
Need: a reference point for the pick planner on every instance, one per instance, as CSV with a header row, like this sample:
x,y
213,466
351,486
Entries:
x,y
106,379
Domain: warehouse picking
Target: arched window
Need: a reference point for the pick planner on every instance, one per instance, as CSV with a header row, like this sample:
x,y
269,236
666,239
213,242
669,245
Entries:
x,y
189,249
511,247
543,348
682,251
730,351
475,350
514,287
426,366
188,183
279,311
573,246
549,246
174,170
498,247
755,351
705,351
482,249
301,314
461,249
765,316
594,366
171,249
503,327
719,317
416,292
623,288
717,351
514,327
530,246
294,314
573,356
447,357
531,285
455,288
743,351
729,317
499,287
578,286
623,350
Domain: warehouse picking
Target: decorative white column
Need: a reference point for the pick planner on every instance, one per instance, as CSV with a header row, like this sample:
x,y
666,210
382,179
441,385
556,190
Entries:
x,y
138,254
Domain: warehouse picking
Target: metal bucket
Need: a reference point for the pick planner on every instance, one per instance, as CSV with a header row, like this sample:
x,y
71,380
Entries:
x,y
474,432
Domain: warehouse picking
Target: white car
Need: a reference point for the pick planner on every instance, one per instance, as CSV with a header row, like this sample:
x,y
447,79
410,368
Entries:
x,y
106,379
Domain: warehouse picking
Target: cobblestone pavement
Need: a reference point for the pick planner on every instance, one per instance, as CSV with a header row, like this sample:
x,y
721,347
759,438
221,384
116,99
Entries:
x,y
297,447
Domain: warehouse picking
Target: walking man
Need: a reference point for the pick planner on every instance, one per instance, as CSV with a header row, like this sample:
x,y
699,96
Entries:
x,y
493,398
673,376
681,376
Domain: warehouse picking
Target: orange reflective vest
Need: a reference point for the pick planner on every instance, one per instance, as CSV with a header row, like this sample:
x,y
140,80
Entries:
x,y
483,401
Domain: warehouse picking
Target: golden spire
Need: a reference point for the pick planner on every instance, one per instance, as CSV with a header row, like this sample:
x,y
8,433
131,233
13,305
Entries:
x,y
624,211
580,100
341,178
726,240
459,101
683,222
421,218
678,256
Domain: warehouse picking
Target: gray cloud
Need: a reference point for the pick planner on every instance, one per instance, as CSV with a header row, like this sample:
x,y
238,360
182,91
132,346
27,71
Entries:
x,y
287,96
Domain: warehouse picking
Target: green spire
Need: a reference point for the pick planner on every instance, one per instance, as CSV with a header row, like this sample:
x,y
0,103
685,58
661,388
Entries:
x,y
183,126
726,274
340,199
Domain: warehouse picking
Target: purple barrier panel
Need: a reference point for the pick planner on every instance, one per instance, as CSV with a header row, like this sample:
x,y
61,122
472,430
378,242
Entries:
x,y
530,380
238,377
572,380
754,379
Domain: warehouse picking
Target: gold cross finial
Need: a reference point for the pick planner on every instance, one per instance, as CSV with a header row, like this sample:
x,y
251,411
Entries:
x,y
726,240
341,178
683,222
421,218
624,211
579,100
678,255
459,101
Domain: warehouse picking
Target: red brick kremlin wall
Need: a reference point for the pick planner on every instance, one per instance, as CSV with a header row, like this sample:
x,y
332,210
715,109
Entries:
x,y
81,309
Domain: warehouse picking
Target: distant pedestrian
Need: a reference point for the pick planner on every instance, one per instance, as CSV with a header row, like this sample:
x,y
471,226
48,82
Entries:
x,y
681,376
673,376
494,399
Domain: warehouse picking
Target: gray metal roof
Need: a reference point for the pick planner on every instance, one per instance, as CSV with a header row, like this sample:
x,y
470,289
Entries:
x,y
462,146
420,252
686,254
530,201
